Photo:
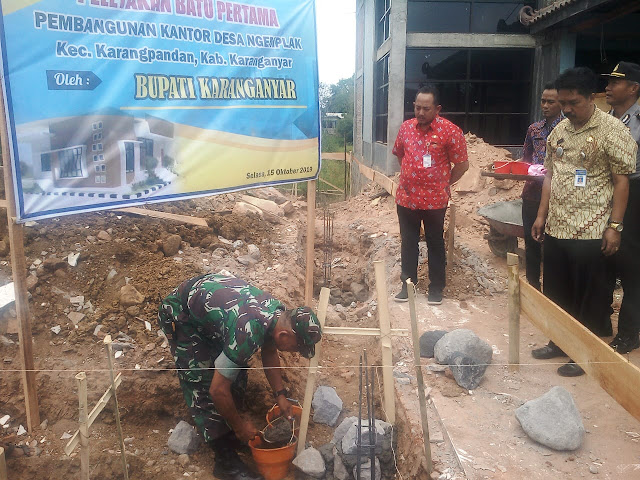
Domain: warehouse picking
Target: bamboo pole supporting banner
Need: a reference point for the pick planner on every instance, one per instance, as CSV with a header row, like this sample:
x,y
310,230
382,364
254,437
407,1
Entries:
x,y
513,263
95,411
416,359
311,234
3,466
323,304
19,272
109,348
385,341
81,380
615,374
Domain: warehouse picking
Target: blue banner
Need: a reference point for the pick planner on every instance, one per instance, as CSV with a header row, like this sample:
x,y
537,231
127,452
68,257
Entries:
x,y
120,102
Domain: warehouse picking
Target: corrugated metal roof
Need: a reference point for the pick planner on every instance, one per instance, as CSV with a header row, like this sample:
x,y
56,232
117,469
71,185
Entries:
x,y
549,9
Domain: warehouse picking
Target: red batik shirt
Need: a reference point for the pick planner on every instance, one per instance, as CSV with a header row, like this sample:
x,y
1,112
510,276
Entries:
x,y
427,188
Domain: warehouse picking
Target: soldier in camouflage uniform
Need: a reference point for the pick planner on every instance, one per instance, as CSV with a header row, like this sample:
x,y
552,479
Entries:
x,y
215,323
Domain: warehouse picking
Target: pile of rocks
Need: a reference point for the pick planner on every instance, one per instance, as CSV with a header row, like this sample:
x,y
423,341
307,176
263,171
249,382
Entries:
x,y
462,351
337,460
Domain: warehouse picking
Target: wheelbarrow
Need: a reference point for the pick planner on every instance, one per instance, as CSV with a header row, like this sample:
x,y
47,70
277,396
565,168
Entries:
x,y
505,226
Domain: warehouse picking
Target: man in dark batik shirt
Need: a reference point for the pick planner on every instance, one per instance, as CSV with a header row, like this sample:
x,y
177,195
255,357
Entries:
x,y
534,151
215,323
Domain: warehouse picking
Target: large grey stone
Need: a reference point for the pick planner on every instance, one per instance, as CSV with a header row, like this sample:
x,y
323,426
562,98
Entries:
x,y
342,429
428,340
553,420
360,291
328,452
327,406
382,434
310,462
466,372
365,470
184,439
340,472
465,342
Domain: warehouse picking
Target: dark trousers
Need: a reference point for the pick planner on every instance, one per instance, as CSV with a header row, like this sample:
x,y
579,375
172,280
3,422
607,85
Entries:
x,y
433,221
577,277
533,249
627,261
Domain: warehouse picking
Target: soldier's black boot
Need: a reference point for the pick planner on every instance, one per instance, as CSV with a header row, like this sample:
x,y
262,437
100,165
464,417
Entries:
x,y
229,466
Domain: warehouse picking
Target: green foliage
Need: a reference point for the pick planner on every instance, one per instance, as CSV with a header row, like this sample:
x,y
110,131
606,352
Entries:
x,y
341,97
332,143
345,127
149,163
333,172
151,180
338,98
168,162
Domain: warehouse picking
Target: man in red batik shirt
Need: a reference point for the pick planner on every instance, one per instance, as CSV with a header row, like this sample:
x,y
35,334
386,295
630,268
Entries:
x,y
426,147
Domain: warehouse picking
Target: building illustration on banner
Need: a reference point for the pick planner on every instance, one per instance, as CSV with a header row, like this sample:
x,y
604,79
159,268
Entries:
x,y
103,154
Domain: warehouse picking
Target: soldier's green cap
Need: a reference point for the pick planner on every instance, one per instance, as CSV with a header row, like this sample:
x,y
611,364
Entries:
x,y
306,326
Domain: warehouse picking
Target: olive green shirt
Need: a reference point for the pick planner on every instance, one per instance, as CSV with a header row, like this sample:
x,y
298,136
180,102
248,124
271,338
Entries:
x,y
601,147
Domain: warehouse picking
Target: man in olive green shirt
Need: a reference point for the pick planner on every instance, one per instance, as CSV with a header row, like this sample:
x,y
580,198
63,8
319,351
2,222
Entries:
x,y
584,196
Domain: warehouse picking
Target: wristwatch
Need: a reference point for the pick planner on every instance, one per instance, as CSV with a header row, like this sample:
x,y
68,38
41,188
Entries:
x,y
617,226
284,392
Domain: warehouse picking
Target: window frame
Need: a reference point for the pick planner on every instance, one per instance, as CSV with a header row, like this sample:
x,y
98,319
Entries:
x,y
380,111
128,169
75,171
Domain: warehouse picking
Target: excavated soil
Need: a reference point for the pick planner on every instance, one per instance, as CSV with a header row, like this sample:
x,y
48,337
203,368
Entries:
x,y
117,249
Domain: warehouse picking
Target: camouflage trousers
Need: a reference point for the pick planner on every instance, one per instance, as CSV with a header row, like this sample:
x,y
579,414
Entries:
x,y
194,356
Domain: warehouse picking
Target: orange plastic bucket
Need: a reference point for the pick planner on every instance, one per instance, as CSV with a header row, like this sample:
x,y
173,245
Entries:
x,y
272,463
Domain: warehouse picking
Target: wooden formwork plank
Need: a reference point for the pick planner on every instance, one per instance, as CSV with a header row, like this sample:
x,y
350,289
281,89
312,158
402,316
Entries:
x,y
617,376
368,332
201,222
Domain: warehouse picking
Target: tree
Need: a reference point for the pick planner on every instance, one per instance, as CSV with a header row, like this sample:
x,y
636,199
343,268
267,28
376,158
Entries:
x,y
341,98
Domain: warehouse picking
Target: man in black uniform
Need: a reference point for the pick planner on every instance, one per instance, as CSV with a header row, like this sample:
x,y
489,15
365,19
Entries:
x,y
623,92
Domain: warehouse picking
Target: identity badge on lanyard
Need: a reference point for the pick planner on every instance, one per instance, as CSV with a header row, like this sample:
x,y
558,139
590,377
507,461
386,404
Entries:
x,y
580,178
426,160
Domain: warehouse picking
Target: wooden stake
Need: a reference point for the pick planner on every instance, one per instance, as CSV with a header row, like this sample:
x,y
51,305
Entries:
x,y
311,234
451,235
95,411
323,303
3,466
385,341
416,359
81,379
109,348
19,272
513,262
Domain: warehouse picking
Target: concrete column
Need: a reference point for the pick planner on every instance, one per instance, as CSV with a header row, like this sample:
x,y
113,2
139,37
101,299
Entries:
x,y
398,38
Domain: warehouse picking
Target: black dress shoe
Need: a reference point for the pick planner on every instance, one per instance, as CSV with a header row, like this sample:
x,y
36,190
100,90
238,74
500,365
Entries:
x,y
624,343
403,295
551,350
570,369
